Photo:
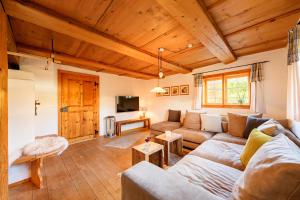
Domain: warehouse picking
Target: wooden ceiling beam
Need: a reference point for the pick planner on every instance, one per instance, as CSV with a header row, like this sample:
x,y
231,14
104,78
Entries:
x,y
193,15
58,24
80,62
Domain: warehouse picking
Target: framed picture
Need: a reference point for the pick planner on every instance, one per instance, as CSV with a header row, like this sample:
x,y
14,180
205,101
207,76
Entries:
x,y
167,93
184,90
159,94
175,90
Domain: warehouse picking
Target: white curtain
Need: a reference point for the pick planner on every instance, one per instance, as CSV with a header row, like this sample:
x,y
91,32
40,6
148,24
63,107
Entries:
x,y
257,104
197,100
293,88
293,92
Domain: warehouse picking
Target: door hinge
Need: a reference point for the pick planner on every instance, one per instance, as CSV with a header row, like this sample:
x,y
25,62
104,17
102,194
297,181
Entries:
x,y
96,132
96,84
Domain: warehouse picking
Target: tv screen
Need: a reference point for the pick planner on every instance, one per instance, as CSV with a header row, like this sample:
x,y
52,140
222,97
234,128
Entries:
x,y
127,103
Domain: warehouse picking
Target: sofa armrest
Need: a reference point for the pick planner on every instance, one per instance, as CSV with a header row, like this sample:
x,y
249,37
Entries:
x,y
145,181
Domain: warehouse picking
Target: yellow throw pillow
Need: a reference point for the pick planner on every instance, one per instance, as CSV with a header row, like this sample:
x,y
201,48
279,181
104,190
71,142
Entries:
x,y
256,139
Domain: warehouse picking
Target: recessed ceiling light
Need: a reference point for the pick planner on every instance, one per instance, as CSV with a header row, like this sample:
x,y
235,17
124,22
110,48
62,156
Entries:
x,y
190,45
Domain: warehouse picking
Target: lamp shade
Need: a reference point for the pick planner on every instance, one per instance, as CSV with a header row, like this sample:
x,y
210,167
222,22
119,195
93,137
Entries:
x,y
158,90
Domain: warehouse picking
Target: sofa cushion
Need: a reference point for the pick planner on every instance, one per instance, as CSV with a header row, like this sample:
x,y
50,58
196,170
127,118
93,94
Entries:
x,y
271,127
221,152
272,173
237,123
192,121
165,126
212,123
252,123
214,177
255,141
189,145
194,135
174,115
225,137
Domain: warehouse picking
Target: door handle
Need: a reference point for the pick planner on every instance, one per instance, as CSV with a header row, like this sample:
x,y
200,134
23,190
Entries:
x,y
64,109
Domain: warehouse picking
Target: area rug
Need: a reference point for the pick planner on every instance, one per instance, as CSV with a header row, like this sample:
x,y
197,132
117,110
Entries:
x,y
125,142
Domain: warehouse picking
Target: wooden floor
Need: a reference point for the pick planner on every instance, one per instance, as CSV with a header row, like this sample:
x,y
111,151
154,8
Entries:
x,y
86,170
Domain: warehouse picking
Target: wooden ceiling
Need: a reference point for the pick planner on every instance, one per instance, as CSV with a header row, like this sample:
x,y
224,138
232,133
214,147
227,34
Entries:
x,y
122,36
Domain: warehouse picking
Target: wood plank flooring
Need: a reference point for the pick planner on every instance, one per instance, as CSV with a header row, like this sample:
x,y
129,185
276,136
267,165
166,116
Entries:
x,y
86,170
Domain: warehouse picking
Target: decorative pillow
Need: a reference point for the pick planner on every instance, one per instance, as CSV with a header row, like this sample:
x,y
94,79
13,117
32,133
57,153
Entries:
x,y
256,139
271,127
237,123
252,122
174,115
272,173
211,123
192,121
224,126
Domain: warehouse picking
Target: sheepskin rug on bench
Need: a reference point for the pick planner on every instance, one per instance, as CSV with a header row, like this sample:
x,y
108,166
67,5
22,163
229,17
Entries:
x,y
45,145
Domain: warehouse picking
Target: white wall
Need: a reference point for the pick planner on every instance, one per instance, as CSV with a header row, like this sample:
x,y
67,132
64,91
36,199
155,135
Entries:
x,y
46,92
275,83
20,119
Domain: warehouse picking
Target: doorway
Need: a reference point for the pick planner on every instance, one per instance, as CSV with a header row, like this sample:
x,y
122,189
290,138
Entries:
x,y
78,105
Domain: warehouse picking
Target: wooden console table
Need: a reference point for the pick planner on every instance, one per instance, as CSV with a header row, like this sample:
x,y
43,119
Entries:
x,y
131,121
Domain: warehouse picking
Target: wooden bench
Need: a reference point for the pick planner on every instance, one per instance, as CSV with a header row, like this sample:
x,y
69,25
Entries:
x,y
36,162
131,121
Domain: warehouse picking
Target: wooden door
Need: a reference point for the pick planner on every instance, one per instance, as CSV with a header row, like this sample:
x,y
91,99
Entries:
x,y
78,105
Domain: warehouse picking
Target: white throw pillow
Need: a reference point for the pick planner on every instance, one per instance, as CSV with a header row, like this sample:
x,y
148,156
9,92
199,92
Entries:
x,y
211,123
272,173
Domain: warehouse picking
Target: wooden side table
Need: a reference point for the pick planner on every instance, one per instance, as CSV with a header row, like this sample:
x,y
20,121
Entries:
x,y
172,144
151,152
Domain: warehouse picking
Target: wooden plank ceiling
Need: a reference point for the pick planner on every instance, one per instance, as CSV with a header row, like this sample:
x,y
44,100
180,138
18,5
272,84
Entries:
x,y
136,29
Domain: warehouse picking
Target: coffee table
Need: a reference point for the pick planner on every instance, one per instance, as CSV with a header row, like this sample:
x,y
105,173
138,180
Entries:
x,y
151,152
172,144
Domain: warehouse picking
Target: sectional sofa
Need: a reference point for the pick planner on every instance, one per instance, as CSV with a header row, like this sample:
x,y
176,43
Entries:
x,y
191,130
214,170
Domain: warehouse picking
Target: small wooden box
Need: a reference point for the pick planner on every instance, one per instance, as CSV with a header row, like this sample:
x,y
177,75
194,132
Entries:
x,y
151,152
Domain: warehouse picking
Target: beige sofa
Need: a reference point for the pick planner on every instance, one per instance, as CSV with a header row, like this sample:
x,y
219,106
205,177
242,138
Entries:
x,y
208,172
190,129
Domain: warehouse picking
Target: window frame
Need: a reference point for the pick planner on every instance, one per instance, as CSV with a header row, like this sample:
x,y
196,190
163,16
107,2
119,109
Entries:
x,y
224,76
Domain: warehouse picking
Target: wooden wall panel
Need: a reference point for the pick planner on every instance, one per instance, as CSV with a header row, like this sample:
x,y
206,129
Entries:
x,y
234,15
3,108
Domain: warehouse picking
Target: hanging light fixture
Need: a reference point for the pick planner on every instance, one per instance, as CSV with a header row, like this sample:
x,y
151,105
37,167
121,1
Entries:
x,y
51,60
159,89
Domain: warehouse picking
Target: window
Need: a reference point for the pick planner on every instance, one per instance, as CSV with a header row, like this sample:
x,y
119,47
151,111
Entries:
x,y
230,90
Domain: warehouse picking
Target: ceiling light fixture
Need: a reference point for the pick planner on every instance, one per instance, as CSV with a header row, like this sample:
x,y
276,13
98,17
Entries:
x,y
190,45
51,60
159,89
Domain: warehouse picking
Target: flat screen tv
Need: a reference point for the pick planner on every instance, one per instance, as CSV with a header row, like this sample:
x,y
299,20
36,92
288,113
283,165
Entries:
x,y
127,103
